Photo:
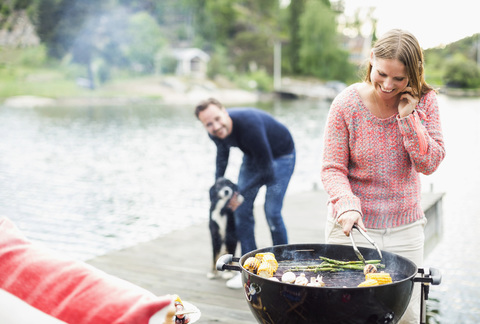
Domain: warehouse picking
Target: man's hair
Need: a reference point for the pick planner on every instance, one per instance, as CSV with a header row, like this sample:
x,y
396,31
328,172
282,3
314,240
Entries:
x,y
205,103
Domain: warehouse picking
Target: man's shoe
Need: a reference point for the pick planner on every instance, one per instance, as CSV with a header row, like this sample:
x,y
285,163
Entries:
x,y
235,282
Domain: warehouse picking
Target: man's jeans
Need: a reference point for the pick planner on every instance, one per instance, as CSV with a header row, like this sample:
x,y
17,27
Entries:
x,y
276,189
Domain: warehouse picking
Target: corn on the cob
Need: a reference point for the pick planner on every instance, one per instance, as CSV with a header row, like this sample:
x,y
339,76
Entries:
x,y
261,255
252,264
265,270
368,283
270,258
381,277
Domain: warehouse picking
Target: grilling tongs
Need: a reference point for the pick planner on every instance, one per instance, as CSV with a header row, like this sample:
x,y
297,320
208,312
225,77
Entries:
x,y
369,239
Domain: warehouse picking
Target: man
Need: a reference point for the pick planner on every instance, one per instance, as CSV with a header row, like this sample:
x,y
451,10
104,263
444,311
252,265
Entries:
x,y
269,159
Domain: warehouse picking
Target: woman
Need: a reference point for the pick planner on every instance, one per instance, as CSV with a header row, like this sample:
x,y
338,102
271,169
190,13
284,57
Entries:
x,y
380,135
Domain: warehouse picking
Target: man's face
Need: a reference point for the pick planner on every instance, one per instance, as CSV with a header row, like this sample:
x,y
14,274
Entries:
x,y
216,121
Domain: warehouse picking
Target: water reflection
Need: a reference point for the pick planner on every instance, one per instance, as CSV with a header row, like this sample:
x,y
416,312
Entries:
x,y
104,178
457,299
86,180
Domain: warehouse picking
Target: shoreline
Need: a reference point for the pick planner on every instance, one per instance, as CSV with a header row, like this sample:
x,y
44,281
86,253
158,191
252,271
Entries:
x,y
161,91
172,90
229,97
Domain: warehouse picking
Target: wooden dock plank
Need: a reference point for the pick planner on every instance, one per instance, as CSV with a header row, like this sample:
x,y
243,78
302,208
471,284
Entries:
x,y
177,263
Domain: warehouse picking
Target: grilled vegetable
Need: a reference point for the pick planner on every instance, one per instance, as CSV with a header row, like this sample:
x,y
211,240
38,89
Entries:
x,y
289,277
316,282
271,260
267,264
381,277
252,264
261,255
301,280
369,283
369,268
331,265
265,270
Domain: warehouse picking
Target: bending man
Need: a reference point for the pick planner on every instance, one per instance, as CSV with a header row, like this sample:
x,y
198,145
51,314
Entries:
x,y
269,159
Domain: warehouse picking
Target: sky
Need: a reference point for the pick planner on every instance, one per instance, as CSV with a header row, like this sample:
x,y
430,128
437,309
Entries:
x,y
433,22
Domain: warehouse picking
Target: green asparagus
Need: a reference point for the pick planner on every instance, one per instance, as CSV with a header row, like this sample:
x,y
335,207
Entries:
x,y
331,265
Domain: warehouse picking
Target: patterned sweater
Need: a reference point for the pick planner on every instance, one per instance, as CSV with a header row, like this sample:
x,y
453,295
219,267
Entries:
x,y
372,165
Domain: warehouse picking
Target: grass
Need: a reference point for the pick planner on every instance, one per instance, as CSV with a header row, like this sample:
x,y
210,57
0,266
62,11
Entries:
x,y
57,84
29,72
37,83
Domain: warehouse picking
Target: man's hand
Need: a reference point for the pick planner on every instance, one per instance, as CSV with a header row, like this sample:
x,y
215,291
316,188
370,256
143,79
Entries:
x,y
235,201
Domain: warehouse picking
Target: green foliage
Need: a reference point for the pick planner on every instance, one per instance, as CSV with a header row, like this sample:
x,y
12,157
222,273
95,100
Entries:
x,y
296,10
461,72
252,50
320,55
123,37
34,56
166,64
454,65
214,20
262,81
5,10
259,80
144,41
105,36
22,4
219,63
8,7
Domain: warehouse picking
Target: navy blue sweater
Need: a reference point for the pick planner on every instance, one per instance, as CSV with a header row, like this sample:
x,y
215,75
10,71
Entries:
x,y
259,136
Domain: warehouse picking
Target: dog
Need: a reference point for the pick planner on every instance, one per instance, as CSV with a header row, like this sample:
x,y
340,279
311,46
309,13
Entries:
x,y
222,222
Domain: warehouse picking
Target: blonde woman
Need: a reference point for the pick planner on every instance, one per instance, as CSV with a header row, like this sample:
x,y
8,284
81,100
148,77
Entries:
x,y
380,135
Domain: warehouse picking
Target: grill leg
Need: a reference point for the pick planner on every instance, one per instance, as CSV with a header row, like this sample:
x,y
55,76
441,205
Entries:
x,y
423,304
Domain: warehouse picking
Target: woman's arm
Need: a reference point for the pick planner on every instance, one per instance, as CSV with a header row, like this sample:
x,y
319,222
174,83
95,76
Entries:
x,y
422,135
336,154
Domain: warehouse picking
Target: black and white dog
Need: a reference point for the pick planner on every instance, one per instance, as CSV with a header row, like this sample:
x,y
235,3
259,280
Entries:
x,y
222,222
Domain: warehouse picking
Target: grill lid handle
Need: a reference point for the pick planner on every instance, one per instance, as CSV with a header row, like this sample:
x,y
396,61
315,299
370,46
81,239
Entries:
x,y
223,263
432,276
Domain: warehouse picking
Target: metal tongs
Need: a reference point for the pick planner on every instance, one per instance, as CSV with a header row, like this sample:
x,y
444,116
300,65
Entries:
x,y
369,239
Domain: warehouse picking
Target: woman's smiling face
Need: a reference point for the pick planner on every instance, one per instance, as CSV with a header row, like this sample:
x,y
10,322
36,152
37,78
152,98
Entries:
x,y
388,77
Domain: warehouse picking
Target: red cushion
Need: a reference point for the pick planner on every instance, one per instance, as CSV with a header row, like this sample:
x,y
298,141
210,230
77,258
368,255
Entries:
x,y
69,290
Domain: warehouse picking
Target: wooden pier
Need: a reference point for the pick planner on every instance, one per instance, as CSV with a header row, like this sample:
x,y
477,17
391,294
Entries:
x,y
178,262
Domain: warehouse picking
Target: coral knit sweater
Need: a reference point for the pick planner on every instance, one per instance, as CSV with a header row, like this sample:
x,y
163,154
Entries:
x,y
372,165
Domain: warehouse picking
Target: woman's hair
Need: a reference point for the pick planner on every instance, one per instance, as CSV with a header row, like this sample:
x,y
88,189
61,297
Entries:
x,y
202,105
403,46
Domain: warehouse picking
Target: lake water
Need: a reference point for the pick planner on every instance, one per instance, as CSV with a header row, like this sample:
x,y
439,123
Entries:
x,y
85,181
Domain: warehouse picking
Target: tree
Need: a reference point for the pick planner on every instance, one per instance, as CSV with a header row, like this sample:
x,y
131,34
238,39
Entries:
x,y
455,64
254,33
461,72
144,41
320,54
245,29
296,9
59,22
215,21
252,50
